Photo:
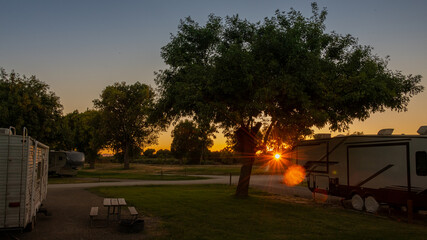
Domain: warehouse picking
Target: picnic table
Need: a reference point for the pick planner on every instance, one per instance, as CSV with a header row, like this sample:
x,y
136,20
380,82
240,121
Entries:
x,y
113,205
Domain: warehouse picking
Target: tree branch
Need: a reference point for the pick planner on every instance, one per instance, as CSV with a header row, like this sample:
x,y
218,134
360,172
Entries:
x,y
267,134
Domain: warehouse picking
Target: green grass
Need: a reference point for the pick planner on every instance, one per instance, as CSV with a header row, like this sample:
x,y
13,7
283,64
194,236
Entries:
x,y
64,180
218,170
122,174
207,170
116,171
158,169
212,212
88,177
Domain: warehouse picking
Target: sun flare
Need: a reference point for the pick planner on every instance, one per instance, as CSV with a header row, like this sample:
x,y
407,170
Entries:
x,y
294,175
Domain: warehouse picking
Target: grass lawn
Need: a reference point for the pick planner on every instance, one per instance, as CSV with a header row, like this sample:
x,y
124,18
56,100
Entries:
x,y
101,176
124,174
212,212
64,180
158,169
137,171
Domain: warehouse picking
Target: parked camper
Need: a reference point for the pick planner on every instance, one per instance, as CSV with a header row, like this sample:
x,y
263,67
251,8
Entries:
x,y
23,179
65,163
368,169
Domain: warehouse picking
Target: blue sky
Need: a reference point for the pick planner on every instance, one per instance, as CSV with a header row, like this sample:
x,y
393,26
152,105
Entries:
x,y
79,47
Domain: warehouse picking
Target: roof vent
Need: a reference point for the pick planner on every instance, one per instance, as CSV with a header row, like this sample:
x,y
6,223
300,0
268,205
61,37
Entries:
x,y
322,136
422,130
385,132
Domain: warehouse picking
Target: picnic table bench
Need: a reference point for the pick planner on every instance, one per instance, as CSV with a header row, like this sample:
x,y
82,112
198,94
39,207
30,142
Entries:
x,y
93,213
133,212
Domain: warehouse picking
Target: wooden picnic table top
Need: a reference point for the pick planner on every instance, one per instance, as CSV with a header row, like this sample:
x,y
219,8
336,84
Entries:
x,y
114,202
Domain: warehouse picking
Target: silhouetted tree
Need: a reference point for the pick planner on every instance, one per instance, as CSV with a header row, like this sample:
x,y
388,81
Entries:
x,y
149,152
28,102
190,142
81,132
124,118
163,153
285,72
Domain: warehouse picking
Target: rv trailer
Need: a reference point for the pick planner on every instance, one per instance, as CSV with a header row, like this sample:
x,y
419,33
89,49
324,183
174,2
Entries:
x,y
65,163
23,179
368,169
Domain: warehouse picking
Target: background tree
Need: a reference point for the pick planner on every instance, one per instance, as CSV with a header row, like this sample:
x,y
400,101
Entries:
x,y
149,152
285,72
124,117
190,142
27,102
163,154
81,132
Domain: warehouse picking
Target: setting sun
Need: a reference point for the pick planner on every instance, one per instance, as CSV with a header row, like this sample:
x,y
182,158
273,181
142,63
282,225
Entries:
x,y
277,156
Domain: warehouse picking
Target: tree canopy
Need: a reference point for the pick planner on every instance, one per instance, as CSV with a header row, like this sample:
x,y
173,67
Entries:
x,y
285,72
124,117
81,131
190,142
28,102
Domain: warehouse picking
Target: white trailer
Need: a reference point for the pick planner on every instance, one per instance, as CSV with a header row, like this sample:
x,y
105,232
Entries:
x,y
65,163
368,169
23,179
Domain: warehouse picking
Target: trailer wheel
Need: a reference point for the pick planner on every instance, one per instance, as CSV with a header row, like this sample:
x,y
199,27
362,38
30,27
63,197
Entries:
x,y
357,202
371,204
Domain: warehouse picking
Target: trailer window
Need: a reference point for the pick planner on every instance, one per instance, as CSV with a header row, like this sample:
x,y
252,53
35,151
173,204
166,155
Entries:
x,y
421,163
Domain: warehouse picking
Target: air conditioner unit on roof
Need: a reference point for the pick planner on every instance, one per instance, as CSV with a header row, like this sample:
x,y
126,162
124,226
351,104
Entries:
x,y
422,130
385,132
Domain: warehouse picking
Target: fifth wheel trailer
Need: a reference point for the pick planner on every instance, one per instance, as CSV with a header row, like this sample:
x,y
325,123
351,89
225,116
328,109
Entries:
x,y
368,169
23,179
65,163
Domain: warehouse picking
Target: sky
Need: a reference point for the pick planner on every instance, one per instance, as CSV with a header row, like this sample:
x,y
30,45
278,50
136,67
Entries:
x,y
80,47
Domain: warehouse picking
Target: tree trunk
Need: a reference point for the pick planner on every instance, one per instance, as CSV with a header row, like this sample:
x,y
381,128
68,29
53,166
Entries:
x,y
92,163
245,174
246,145
126,157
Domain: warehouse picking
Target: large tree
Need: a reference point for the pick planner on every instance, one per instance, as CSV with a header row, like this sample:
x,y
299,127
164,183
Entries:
x,y
28,102
284,73
124,113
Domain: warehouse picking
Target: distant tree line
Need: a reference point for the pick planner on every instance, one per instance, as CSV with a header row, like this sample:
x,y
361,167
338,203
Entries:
x,y
224,156
121,120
